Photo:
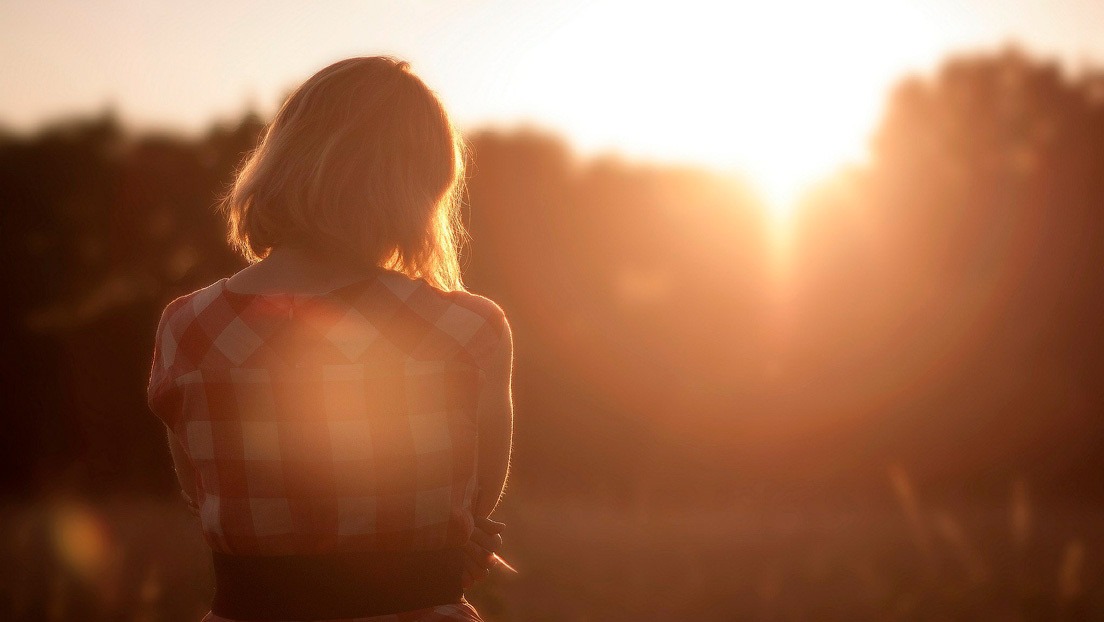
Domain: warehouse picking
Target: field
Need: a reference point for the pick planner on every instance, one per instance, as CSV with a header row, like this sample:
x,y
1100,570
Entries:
x,y
143,559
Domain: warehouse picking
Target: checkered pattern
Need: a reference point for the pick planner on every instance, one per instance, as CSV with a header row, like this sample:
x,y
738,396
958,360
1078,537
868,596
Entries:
x,y
341,421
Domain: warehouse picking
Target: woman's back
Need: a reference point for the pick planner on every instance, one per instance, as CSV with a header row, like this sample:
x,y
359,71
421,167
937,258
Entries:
x,y
340,447
344,420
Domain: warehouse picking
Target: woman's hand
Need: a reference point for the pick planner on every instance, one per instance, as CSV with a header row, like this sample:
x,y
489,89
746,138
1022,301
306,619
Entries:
x,y
485,540
193,507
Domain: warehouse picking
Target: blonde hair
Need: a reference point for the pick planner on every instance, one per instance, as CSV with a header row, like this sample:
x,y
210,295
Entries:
x,y
363,164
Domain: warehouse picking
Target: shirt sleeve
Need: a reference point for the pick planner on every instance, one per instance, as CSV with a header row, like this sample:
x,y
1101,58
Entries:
x,y
162,395
495,328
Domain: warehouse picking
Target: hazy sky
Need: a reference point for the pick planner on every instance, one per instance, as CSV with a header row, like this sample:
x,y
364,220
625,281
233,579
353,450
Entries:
x,y
785,89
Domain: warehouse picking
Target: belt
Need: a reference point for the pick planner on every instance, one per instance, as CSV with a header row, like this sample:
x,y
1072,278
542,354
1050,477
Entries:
x,y
335,585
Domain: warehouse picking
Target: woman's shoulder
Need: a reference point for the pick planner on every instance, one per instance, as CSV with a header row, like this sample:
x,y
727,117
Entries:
x,y
457,305
476,322
486,308
171,348
185,307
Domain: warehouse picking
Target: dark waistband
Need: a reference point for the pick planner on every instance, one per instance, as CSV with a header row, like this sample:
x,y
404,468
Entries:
x,y
335,585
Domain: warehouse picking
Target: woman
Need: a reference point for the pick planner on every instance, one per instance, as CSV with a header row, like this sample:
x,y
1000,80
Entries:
x,y
339,412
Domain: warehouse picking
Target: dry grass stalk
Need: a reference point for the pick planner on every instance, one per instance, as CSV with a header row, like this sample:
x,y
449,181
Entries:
x,y
1069,573
910,505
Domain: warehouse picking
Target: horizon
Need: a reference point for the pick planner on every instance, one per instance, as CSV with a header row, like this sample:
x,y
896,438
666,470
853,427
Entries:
x,y
584,71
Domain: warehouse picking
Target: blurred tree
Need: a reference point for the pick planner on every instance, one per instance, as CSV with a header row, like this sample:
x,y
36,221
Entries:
x,y
979,273
943,309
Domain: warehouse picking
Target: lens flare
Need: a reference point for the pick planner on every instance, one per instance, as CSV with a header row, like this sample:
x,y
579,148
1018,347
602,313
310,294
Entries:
x,y
82,541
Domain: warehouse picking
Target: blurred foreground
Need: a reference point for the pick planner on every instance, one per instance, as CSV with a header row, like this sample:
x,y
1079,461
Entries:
x,y
133,559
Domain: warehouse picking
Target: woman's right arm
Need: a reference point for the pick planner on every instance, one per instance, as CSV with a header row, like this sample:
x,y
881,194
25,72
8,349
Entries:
x,y
495,426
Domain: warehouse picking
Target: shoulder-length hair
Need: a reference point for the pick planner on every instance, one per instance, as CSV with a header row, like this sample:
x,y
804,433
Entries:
x,y
363,164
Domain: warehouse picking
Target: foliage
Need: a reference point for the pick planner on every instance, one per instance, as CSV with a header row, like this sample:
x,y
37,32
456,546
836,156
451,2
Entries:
x,y
940,310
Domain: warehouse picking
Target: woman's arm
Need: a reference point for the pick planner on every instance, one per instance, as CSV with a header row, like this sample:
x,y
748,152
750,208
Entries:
x,y
496,426
185,473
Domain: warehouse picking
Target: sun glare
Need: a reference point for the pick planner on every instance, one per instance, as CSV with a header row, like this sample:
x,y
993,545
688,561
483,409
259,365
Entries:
x,y
784,92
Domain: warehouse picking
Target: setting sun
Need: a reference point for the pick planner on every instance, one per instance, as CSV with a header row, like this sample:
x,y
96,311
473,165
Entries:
x,y
781,92
736,88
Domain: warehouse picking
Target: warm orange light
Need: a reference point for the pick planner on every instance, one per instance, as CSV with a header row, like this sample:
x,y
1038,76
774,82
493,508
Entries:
x,y
82,540
784,92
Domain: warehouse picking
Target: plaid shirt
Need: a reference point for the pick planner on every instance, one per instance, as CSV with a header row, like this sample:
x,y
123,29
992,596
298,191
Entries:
x,y
338,421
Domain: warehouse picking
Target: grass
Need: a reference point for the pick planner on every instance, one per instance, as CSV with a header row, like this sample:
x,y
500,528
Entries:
x,y
143,559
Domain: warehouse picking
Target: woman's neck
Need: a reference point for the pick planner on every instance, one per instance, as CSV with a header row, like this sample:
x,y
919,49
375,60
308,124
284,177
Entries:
x,y
294,269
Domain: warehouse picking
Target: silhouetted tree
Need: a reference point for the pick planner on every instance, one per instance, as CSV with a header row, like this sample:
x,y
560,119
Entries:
x,y
944,299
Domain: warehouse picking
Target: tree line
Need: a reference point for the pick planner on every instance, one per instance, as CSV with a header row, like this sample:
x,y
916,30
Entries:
x,y
939,310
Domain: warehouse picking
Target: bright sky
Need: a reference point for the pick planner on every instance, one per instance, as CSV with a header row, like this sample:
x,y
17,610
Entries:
x,y
783,90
